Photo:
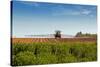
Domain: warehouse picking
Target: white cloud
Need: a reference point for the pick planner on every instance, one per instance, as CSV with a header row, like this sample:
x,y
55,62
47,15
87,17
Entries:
x,y
36,4
78,10
64,11
86,12
31,3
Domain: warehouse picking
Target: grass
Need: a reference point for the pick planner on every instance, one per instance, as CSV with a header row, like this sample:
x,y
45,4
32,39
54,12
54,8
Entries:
x,y
53,53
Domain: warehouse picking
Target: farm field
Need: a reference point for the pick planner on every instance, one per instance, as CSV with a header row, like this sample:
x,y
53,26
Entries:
x,y
36,51
52,40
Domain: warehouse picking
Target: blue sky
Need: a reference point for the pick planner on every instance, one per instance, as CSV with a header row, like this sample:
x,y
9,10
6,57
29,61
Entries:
x,y
36,18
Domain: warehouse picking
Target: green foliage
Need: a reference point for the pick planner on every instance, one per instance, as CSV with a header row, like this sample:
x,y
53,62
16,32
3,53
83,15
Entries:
x,y
43,48
70,58
46,59
24,58
50,53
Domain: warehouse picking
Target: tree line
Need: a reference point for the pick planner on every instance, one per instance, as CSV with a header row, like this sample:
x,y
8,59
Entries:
x,y
80,34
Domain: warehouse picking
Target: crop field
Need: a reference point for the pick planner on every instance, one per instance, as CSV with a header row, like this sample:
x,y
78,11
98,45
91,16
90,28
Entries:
x,y
37,51
52,40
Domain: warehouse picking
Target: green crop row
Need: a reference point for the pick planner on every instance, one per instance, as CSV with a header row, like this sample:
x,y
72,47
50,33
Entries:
x,y
52,53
